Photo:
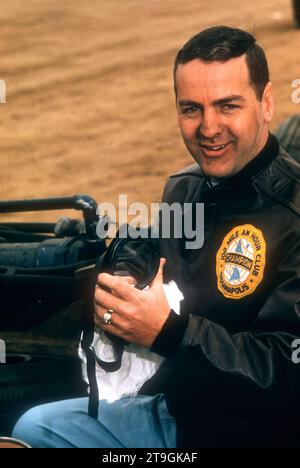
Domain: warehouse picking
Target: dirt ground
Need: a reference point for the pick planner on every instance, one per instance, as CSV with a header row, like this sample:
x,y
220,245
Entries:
x,y
89,105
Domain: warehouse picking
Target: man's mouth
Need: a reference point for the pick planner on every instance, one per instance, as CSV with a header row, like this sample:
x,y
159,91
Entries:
x,y
214,150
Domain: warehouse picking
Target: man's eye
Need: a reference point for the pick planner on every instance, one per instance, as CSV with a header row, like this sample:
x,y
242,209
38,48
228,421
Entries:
x,y
229,107
190,110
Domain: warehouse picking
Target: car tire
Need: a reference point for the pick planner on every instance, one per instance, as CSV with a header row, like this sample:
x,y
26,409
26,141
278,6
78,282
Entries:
x,y
30,380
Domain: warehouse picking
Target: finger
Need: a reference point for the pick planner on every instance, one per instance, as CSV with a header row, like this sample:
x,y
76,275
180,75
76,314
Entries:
x,y
115,326
158,280
113,329
128,279
107,300
99,312
120,287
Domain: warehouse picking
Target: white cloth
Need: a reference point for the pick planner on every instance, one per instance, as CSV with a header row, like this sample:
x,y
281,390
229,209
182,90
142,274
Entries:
x,y
138,363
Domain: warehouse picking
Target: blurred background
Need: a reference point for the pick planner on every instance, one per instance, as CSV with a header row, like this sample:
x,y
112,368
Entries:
x,y
90,106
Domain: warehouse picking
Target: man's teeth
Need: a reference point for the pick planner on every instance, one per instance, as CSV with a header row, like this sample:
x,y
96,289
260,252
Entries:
x,y
215,148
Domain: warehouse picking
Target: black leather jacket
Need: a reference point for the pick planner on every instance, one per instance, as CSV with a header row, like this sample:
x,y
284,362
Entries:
x,y
229,378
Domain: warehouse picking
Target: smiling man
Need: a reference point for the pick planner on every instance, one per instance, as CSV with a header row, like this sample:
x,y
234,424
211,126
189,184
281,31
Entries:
x,y
223,118
227,377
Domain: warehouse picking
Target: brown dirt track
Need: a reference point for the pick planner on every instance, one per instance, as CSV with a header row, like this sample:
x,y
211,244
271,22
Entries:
x,y
90,107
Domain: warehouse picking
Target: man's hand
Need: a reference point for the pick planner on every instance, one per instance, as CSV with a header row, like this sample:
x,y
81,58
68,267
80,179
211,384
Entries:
x,y
138,316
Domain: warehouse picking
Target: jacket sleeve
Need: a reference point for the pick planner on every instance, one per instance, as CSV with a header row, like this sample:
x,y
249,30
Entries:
x,y
248,373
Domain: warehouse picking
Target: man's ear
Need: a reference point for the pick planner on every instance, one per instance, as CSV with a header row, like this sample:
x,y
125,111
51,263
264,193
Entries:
x,y
268,102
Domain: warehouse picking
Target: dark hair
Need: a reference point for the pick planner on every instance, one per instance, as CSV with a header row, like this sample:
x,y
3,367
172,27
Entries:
x,y
221,43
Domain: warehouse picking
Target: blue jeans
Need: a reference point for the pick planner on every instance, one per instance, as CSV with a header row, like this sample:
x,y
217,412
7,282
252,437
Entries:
x,y
141,421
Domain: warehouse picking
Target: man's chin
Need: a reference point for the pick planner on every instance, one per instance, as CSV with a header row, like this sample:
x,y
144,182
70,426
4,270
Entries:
x,y
217,171
217,167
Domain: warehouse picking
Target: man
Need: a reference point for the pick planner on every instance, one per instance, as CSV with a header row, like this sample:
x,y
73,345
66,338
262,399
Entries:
x,y
228,377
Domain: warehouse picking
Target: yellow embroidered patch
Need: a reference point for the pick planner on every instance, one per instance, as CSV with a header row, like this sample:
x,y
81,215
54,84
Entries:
x,y
241,261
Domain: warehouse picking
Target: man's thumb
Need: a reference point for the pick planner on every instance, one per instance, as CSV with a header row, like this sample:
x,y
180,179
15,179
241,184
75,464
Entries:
x,y
158,280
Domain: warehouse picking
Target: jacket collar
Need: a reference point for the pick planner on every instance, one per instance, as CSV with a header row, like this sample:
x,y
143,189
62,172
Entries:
x,y
254,167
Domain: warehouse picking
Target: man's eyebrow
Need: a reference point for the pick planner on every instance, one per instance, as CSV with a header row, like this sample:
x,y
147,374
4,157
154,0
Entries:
x,y
226,100
183,103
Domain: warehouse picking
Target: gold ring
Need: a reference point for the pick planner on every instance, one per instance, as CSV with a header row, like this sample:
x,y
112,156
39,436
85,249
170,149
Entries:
x,y
107,317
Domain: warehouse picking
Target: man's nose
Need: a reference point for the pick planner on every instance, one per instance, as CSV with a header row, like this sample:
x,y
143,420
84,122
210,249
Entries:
x,y
210,125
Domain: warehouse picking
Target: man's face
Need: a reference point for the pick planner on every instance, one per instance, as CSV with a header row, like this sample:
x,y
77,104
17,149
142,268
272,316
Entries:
x,y
223,124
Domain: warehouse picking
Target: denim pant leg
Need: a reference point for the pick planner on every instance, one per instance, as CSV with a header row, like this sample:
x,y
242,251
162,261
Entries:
x,y
142,421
